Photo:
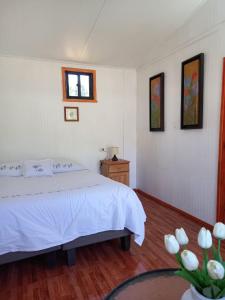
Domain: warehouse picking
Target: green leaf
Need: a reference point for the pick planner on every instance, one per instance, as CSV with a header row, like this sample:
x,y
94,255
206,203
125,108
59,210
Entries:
x,y
207,292
221,294
211,292
218,250
205,261
189,277
203,278
215,253
179,260
216,290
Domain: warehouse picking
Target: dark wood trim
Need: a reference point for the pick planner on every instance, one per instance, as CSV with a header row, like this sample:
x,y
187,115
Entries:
x,y
161,128
220,216
51,259
200,58
71,257
125,242
93,72
16,256
95,238
72,245
71,107
183,213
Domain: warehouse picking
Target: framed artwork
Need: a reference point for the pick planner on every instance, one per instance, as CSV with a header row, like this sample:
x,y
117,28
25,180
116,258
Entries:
x,y
192,92
71,114
156,102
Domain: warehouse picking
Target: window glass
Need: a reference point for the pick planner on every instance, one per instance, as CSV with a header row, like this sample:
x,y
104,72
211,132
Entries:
x,y
73,85
79,85
84,86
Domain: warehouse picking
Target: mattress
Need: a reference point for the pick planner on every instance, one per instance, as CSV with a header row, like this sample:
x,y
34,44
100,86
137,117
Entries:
x,y
41,212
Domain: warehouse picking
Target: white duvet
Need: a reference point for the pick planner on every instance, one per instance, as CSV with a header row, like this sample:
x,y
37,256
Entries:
x,y
40,212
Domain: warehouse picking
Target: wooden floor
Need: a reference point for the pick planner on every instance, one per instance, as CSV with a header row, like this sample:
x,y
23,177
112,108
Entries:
x,y
99,267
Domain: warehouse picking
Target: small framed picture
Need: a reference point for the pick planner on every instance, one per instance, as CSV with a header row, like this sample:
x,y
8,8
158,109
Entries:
x,y
71,114
192,92
156,102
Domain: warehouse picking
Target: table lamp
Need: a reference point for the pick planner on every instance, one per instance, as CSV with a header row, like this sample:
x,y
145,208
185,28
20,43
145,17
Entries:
x,y
113,152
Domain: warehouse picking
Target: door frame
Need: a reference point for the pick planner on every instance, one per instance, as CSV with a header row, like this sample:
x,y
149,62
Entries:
x,y
220,215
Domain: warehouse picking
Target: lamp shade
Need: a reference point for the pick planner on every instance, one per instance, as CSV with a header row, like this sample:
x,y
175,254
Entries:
x,y
113,151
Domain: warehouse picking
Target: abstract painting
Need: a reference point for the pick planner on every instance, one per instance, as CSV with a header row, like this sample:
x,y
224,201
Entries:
x,y
192,92
156,102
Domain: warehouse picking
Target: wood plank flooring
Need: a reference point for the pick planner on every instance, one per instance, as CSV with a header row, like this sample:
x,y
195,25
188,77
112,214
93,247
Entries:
x,y
99,267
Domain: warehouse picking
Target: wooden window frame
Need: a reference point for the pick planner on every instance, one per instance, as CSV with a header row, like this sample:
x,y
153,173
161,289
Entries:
x,y
77,71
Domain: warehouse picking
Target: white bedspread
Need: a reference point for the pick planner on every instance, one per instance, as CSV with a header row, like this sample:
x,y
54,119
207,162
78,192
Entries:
x,y
40,212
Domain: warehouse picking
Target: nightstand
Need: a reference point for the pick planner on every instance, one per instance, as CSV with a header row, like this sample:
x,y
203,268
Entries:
x,y
116,170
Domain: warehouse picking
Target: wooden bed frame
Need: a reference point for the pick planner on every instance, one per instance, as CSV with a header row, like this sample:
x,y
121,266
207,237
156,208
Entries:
x,y
70,247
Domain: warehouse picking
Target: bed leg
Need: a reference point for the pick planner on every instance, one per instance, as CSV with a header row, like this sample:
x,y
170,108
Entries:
x,y
71,257
125,242
51,259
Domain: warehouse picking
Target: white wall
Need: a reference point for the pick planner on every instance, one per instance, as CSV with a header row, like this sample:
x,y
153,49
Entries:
x,y
180,166
32,118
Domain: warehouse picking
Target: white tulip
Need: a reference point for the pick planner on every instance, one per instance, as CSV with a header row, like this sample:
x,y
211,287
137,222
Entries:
x,y
171,244
219,231
189,260
181,236
205,238
215,269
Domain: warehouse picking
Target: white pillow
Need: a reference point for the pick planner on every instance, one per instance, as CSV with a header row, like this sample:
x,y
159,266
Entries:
x,y
64,165
33,168
11,169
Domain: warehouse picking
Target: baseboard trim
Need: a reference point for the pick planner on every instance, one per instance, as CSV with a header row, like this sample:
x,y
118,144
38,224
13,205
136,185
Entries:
x,y
181,212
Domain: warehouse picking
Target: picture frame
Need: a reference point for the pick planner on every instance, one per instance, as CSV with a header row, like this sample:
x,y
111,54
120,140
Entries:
x,y
156,102
192,86
71,114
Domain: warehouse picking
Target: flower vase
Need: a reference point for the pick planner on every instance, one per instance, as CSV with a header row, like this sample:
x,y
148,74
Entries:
x,y
193,294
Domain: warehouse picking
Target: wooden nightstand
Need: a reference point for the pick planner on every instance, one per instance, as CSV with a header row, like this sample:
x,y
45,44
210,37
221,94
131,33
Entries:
x,y
116,170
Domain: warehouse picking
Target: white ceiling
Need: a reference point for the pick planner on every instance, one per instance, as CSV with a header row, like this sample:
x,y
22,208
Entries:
x,y
106,32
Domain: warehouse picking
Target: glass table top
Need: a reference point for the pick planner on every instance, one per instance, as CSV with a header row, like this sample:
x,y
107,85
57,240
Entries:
x,y
152,285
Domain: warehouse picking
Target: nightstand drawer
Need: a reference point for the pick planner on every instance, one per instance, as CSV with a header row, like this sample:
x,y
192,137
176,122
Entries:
x,y
116,170
122,177
119,168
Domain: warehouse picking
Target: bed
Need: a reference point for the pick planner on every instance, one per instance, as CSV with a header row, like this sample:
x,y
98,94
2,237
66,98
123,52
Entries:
x,y
65,211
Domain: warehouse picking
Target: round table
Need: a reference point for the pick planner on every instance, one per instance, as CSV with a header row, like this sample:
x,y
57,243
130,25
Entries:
x,y
153,285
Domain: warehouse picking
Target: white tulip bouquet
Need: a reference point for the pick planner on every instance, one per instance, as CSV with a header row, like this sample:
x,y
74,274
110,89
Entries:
x,y
208,279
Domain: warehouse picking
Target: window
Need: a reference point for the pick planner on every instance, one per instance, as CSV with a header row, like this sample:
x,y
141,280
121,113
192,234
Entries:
x,y
79,85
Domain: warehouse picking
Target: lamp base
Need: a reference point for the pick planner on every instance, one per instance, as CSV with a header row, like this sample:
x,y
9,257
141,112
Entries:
x,y
114,158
